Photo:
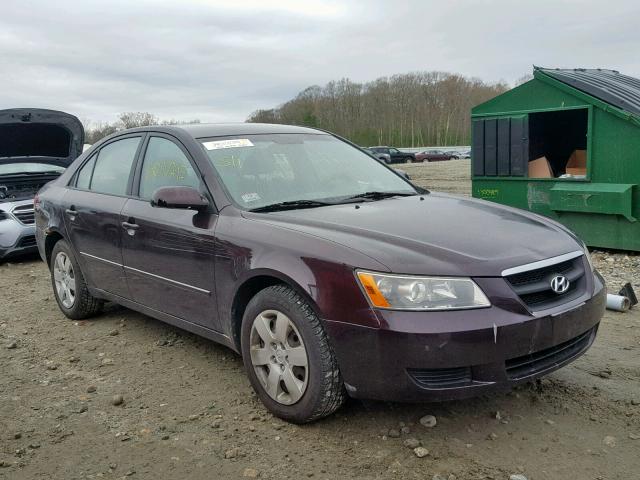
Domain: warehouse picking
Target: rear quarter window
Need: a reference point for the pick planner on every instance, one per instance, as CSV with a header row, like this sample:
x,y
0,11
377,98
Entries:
x,y
83,179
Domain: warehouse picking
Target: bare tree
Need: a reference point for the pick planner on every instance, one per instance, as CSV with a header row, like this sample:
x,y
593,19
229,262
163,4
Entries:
x,y
137,119
97,131
524,79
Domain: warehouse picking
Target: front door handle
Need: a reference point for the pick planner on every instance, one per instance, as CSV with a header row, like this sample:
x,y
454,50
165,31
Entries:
x,y
71,212
130,227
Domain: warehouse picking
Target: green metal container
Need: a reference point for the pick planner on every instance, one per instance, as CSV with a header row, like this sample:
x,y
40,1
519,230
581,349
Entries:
x,y
551,116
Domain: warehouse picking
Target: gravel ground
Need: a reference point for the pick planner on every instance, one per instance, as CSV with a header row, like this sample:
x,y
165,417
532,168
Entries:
x,y
126,396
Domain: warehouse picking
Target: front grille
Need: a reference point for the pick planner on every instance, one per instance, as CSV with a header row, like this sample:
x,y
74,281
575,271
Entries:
x,y
441,377
527,365
534,286
24,214
28,241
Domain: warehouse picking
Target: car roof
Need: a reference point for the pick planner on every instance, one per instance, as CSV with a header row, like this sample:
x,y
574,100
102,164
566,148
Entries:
x,y
205,130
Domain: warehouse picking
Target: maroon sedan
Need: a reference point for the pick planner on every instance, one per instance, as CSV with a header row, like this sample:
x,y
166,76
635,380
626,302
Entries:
x,y
434,156
327,271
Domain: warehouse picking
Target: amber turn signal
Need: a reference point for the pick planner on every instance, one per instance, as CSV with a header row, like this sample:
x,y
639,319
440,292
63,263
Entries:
x,y
372,291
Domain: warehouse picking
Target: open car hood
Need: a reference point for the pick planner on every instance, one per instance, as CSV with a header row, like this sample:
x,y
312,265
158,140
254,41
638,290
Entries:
x,y
35,135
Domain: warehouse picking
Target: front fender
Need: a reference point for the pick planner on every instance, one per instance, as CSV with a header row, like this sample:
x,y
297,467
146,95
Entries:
x,y
322,271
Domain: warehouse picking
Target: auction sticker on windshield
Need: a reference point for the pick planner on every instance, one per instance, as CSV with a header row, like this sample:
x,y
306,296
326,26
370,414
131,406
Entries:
x,y
235,143
250,197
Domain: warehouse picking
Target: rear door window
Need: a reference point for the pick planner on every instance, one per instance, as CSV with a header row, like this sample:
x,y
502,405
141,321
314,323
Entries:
x,y
165,165
113,167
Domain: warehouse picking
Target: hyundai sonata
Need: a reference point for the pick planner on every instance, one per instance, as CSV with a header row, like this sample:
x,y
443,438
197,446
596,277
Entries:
x,y
331,274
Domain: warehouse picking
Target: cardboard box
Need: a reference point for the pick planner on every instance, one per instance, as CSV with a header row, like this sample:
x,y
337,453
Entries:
x,y
540,168
577,164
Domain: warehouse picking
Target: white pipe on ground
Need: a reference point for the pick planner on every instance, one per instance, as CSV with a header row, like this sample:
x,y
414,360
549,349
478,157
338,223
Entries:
x,y
618,303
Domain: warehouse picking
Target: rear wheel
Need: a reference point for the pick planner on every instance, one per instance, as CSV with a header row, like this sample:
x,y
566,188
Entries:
x,y
69,287
288,358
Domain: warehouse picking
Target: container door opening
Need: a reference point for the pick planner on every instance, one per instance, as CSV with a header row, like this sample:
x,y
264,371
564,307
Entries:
x,y
558,144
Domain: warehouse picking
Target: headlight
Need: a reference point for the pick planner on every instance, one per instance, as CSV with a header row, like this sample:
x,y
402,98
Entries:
x,y
402,292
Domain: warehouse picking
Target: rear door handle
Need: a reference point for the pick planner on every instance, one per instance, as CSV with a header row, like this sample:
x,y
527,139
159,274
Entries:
x,y
130,227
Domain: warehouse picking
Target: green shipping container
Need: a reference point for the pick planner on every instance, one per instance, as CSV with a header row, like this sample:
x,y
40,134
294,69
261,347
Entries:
x,y
566,145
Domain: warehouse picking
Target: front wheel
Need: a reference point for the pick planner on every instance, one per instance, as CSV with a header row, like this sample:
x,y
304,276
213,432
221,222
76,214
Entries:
x,y
69,287
287,357
407,160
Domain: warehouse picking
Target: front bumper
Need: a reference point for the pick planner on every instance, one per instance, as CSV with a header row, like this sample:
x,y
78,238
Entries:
x,y
16,237
435,356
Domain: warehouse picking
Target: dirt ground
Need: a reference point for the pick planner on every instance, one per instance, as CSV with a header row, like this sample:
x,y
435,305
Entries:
x,y
188,410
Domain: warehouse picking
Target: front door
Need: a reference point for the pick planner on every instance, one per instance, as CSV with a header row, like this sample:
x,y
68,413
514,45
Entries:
x,y
169,253
92,213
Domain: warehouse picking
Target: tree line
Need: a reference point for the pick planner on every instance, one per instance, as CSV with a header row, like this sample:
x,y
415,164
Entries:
x,y
95,131
407,110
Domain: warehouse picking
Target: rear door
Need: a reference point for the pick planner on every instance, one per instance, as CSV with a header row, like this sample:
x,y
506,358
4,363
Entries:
x,y
169,253
93,204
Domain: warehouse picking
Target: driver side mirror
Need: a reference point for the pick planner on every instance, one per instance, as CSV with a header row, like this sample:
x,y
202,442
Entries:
x,y
179,197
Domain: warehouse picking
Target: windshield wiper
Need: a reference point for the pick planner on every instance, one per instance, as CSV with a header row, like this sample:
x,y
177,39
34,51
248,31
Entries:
x,y
379,195
291,205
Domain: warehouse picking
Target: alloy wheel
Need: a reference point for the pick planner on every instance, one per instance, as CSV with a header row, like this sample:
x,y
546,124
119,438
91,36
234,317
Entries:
x,y
65,280
279,357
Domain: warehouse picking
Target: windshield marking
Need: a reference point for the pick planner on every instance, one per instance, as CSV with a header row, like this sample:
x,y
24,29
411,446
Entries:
x,y
234,143
250,197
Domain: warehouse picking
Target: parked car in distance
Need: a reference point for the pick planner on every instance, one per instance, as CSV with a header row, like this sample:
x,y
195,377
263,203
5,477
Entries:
x,y
386,159
36,145
326,270
383,157
435,156
395,155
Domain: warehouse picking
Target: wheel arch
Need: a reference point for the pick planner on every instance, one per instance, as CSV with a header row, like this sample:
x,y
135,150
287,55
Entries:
x,y
250,287
50,241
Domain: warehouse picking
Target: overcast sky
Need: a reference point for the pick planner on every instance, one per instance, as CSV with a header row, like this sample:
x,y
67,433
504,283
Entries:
x,y
221,60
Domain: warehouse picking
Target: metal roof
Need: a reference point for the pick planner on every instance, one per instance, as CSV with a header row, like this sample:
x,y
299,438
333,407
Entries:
x,y
609,86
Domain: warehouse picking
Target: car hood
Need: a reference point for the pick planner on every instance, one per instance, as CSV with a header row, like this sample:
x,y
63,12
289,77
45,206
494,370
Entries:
x,y
434,234
35,135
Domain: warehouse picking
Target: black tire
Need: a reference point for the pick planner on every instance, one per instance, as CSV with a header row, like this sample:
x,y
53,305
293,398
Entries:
x,y
84,304
408,160
325,391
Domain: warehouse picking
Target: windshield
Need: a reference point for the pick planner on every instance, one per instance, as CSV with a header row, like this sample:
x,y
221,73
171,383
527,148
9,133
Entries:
x,y
29,168
259,170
